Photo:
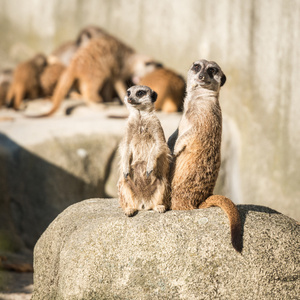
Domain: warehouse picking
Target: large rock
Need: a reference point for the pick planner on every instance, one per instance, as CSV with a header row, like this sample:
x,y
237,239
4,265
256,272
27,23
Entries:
x,y
93,251
50,163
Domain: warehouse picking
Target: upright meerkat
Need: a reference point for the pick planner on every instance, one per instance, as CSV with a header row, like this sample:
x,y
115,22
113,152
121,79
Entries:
x,y
103,59
196,147
26,81
170,88
145,155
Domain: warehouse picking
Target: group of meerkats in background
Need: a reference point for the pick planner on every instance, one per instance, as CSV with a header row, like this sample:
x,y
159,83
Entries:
x,y
97,65
178,175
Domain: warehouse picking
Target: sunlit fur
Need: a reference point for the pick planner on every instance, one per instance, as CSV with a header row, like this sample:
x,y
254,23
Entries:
x,y
103,59
145,157
196,147
170,88
26,81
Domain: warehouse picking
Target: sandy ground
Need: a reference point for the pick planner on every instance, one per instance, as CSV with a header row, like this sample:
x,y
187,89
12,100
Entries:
x,y
15,286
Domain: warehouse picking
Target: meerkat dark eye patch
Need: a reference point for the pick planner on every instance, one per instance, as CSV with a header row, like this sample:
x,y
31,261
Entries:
x,y
196,68
141,93
153,96
212,71
128,93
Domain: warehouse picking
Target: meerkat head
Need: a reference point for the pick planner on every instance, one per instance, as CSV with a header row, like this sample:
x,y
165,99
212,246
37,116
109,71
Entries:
x,y
140,97
205,74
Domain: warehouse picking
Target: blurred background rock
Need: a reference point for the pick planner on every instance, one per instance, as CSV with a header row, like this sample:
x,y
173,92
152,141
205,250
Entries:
x,y
256,42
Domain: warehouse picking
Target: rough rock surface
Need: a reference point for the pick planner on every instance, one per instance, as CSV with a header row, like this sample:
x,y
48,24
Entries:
x,y
92,251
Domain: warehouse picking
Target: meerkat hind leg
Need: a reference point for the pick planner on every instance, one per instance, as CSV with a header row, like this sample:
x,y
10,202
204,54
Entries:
x,y
158,198
90,91
127,200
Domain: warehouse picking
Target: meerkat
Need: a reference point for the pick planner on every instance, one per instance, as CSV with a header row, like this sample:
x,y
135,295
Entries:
x,y
50,77
103,59
5,81
196,147
26,81
88,33
144,167
64,53
170,88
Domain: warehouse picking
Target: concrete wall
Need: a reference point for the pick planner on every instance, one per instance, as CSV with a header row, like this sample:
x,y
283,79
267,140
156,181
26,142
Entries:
x,y
256,42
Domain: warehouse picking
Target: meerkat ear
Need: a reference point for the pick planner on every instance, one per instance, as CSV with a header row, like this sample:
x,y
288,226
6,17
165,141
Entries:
x,y
223,80
153,96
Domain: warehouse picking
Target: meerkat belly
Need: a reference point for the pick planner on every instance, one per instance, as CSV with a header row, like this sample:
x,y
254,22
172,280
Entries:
x,y
195,174
142,145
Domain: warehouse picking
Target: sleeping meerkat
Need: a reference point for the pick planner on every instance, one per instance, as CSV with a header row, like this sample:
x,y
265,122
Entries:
x,y
196,147
103,59
170,88
26,81
143,182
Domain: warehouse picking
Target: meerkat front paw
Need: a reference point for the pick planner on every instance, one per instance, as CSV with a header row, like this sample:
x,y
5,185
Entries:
x,y
130,212
160,208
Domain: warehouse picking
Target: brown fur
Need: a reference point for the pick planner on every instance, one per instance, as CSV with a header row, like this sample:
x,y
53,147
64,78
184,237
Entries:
x,y
170,88
88,33
50,77
196,146
26,81
143,182
5,81
103,59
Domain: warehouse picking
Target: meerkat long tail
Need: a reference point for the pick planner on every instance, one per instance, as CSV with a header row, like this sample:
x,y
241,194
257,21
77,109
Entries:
x,y
234,217
63,86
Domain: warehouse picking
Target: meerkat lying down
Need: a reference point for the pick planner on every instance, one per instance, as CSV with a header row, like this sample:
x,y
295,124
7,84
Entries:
x,y
170,88
143,182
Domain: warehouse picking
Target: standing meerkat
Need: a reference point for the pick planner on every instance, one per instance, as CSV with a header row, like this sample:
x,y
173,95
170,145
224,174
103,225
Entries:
x,y
145,156
196,147
26,81
103,59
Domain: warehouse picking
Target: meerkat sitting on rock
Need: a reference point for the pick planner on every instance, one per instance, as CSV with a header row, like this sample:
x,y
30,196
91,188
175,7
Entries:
x,y
145,156
196,147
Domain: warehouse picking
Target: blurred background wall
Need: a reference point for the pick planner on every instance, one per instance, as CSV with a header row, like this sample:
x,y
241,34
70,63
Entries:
x,y
256,42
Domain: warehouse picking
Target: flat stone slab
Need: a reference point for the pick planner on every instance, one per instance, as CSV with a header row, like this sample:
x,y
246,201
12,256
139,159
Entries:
x,y
93,251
